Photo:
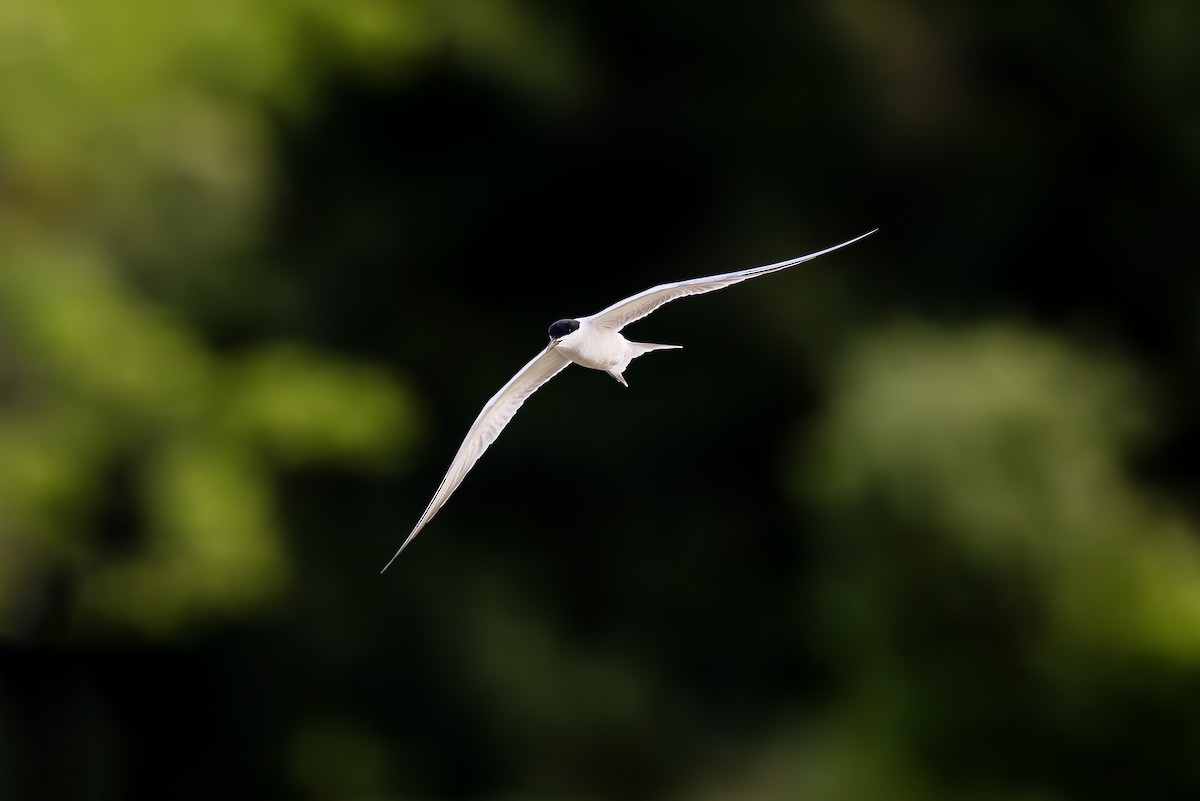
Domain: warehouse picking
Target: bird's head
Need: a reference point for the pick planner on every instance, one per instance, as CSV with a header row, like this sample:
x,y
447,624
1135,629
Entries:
x,y
561,329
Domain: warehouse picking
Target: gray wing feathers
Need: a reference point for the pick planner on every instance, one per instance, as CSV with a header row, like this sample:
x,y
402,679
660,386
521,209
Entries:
x,y
496,414
624,312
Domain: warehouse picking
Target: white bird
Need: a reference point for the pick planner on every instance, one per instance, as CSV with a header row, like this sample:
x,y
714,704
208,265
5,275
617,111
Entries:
x,y
594,342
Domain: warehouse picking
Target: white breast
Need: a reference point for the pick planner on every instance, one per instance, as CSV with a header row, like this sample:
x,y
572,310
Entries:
x,y
595,347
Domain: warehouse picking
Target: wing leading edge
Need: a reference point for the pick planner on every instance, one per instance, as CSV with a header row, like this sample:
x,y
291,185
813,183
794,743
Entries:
x,y
624,312
495,415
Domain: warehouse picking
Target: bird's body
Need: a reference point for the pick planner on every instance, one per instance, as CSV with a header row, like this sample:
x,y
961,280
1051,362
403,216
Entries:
x,y
602,348
594,342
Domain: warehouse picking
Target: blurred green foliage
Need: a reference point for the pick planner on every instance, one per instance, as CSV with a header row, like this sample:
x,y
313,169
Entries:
x,y
988,548
134,138
917,521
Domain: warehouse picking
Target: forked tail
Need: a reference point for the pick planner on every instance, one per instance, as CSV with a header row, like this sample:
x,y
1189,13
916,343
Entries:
x,y
640,348
646,347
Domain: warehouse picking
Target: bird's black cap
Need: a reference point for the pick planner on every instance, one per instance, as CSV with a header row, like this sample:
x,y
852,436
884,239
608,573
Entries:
x,y
563,327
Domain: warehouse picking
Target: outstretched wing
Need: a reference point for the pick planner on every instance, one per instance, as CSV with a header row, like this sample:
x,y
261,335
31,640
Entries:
x,y
487,427
624,312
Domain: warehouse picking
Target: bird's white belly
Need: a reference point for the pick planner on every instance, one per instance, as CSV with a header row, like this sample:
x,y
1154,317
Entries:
x,y
599,349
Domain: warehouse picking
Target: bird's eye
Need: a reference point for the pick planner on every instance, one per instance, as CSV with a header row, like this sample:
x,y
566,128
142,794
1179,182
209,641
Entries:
x,y
563,327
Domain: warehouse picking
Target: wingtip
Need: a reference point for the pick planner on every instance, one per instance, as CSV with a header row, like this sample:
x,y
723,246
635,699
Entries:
x,y
396,555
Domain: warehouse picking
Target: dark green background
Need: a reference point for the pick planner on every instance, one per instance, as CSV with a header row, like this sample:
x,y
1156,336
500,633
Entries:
x,y
916,520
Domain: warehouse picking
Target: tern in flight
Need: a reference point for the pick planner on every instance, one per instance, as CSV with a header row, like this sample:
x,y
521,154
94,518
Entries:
x,y
594,342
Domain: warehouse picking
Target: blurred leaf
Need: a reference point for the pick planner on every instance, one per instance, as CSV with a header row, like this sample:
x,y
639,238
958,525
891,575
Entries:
x,y
1011,449
134,141
212,544
988,551
337,759
303,408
